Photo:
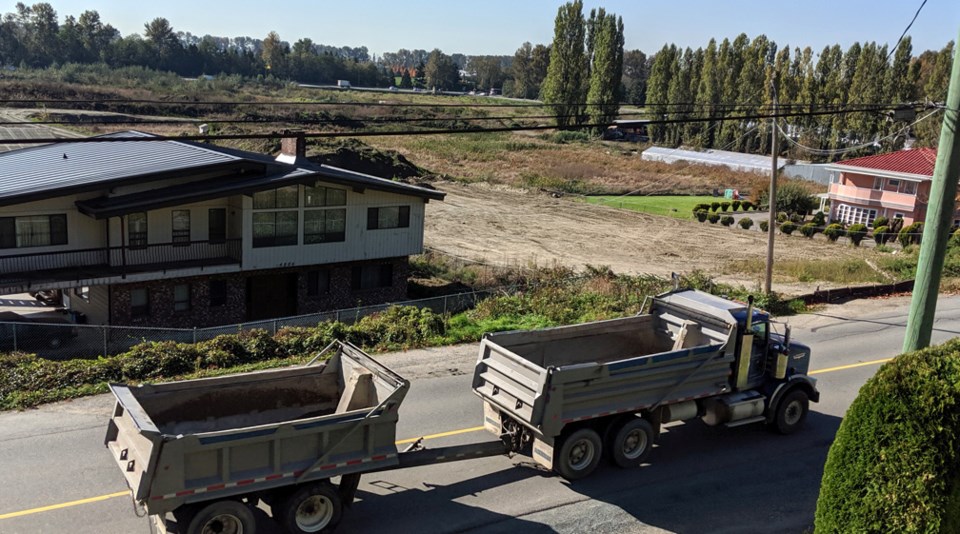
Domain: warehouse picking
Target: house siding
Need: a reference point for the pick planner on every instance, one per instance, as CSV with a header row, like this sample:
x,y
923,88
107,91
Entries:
x,y
95,308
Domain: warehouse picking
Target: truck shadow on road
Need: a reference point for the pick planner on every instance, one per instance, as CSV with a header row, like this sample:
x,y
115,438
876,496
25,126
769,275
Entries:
x,y
699,479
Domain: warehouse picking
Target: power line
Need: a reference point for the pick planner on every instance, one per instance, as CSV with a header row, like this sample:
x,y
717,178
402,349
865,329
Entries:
x,y
55,140
839,151
902,35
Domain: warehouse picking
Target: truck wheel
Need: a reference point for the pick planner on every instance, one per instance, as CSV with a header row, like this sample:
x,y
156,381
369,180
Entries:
x,y
579,454
791,412
631,442
223,517
312,508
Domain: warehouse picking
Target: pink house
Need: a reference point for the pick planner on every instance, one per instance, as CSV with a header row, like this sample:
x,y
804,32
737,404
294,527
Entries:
x,y
894,185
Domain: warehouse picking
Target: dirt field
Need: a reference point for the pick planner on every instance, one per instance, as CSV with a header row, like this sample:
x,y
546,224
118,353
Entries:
x,y
504,225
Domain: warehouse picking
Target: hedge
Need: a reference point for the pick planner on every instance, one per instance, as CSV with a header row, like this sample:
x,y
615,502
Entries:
x,y
911,235
856,233
809,230
895,463
834,232
881,234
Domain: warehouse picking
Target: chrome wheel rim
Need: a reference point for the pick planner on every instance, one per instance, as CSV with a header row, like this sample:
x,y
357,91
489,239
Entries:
x,y
314,513
581,454
634,444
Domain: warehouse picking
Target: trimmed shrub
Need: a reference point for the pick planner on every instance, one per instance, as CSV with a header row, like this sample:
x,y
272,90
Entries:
x,y
819,218
881,221
834,232
726,220
788,227
895,464
781,217
703,206
714,206
856,233
796,218
911,235
724,206
954,239
735,205
881,235
747,205
745,223
701,215
713,218
764,226
809,230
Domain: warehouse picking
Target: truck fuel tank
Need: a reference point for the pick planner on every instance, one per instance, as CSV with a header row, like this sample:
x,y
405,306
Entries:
x,y
733,407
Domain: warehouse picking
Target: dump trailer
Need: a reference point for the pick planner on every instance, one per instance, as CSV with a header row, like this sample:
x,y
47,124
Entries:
x,y
205,450
573,394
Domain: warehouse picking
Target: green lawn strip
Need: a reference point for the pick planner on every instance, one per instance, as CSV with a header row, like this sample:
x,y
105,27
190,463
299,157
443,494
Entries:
x,y
678,206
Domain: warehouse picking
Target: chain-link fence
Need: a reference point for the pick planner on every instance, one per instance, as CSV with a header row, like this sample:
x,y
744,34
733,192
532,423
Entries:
x,y
68,341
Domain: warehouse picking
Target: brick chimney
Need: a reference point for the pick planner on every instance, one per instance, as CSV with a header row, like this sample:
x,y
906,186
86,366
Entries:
x,y
293,147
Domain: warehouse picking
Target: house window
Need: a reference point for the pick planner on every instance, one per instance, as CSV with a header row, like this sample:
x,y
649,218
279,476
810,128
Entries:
x,y
855,215
33,231
909,188
181,297
877,183
318,196
893,184
318,282
897,215
82,293
324,226
283,197
137,226
139,302
371,276
388,217
181,227
217,225
218,293
275,228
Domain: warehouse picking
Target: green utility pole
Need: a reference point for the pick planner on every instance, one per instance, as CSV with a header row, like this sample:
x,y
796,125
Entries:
x,y
943,194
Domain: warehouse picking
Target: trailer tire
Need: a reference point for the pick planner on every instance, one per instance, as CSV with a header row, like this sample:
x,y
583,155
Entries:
x,y
579,454
312,508
630,442
226,516
791,411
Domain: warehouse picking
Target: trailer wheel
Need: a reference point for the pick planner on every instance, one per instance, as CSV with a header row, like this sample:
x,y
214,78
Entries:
x,y
791,411
312,508
630,442
579,454
223,517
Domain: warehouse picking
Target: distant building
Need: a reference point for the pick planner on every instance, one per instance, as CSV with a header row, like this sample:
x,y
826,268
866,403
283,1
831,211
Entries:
x,y
180,234
737,161
894,185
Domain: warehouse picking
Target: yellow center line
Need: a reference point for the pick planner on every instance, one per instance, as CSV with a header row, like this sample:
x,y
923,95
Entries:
x,y
400,442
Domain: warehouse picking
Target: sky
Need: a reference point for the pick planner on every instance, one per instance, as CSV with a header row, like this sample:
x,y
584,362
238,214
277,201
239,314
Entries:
x,y
499,27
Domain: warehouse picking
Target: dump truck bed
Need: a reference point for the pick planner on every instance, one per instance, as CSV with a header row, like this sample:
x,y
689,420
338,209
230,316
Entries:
x,y
545,379
204,439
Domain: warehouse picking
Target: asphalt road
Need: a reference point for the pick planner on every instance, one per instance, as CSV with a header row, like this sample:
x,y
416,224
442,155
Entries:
x,y
699,479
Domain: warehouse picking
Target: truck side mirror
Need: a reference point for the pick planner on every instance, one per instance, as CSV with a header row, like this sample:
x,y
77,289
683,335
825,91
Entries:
x,y
786,339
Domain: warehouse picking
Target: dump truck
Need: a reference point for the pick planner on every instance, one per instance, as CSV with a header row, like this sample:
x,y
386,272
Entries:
x,y
574,394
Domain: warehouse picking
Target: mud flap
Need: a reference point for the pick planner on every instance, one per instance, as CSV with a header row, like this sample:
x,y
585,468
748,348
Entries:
x,y
491,419
348,488
543,452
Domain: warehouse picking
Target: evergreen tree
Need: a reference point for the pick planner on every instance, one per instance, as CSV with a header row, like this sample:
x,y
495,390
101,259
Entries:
x,y
405,81
564,88
603,96
658,86
708,96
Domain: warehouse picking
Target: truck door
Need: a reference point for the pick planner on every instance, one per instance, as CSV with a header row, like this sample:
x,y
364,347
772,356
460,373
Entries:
x,y
758,353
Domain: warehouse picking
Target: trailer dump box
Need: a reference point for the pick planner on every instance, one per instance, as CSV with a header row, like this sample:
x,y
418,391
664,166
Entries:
x,y
197,440
546,379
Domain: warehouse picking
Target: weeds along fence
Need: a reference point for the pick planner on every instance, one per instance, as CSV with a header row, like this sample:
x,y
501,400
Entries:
x,y
69,341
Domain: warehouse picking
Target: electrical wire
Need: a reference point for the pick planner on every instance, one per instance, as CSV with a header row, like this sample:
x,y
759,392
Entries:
x,y
840,151
902,35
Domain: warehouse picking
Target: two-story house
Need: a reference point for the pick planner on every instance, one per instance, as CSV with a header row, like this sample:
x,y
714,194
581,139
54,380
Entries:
x,y
180,234
894,185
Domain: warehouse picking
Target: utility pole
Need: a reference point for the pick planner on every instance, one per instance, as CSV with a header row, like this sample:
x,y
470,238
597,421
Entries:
x,y
772,225
943,193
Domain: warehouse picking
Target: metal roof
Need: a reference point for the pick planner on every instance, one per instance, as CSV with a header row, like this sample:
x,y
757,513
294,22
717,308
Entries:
x,y
68,165
734,160
358,179
918,162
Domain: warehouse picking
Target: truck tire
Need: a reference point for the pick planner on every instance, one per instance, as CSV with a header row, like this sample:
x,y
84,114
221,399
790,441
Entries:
x,y
791,411
630,442
310,509
226,517
579,454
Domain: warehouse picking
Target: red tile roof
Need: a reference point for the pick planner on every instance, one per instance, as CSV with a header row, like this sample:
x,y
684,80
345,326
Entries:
x,y
913,161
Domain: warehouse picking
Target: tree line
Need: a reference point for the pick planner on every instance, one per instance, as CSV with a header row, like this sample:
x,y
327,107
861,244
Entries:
x,y
743,76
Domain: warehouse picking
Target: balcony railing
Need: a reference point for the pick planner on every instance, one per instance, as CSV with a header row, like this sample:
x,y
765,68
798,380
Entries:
x,y
19,269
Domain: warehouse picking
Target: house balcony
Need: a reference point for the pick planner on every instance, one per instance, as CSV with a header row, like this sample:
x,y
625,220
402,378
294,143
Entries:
x,y
872,197
48,270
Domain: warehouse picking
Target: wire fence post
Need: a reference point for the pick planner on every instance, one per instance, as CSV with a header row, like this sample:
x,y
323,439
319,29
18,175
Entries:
x,y
104,329
274,326
194,334
14,337
444,304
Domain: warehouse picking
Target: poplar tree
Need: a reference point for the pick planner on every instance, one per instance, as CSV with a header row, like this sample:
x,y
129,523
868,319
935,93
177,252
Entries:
x,y
708,96
658,85
564,89
606,71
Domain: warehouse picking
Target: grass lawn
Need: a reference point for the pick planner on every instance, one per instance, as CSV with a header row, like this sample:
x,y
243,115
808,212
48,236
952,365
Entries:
x,y
680,207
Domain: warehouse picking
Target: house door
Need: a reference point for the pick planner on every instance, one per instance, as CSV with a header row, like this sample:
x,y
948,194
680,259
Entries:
x,y
270,296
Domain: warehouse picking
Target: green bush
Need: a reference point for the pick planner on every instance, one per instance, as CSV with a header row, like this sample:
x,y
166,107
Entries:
x,y
856,233
745,223
747,205
834,232
726,220
881,221
735,205
788,227
809,230
714,206
954,239
724,206
881,235
911,235
894,465
713,218
764,226
701,215
792,196
703,206
781,217
819,218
